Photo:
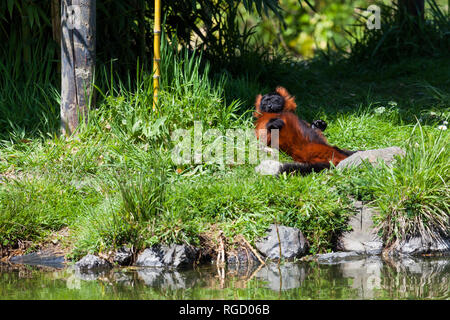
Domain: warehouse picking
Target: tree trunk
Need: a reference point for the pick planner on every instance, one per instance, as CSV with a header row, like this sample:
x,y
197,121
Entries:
x,y
78,23
56,20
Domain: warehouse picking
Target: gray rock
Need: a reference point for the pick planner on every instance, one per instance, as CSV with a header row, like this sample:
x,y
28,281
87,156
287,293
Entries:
x,y
440,245
152,257
123,256
242,258
179,256
175,256
91,262
46,259
372,156
293,243
363,237
418,246
337,257
268,167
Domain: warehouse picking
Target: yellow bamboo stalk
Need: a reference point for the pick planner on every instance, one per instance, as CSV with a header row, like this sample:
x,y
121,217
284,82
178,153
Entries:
x,y
156,52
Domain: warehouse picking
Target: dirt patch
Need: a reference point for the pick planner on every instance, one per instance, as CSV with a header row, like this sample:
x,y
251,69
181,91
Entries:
x,y
214,246
10,174
54,245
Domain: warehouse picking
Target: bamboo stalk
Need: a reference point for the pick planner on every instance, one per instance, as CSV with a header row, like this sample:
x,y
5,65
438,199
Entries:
x,y
156,53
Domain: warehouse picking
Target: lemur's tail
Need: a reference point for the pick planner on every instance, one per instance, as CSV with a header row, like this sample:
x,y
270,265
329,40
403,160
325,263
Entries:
x,y
303,168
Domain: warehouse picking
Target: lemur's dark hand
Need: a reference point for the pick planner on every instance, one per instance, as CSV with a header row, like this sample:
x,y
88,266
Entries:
x,y
319,124
275,123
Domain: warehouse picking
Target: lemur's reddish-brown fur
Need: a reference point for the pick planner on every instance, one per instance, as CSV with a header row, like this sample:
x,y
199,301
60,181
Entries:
x,y
296,137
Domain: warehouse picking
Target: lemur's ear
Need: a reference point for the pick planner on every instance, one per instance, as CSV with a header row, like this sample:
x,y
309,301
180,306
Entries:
x,y
257,113
289,104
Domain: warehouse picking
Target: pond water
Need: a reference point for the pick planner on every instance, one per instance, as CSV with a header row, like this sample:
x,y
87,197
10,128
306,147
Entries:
x,y
364,278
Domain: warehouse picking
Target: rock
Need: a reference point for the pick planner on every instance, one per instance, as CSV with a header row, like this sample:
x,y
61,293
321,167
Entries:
x,y
152,257
123,256
418,246
175,256
293,243
272,167
363,238
242,257
91,262
372,156
268,167
40,258
179,256
336,257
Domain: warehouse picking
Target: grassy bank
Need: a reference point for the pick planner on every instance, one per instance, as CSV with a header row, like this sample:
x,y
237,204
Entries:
x,y
115,183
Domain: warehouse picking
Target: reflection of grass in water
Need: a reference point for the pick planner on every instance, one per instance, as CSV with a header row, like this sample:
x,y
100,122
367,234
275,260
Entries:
x,y
320,282
431,282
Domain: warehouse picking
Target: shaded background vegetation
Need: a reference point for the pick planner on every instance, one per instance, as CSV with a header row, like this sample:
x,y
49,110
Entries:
x,y
257,40
224,30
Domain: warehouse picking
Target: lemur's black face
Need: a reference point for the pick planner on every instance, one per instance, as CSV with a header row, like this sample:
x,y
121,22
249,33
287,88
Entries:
x,y
274,103
271,102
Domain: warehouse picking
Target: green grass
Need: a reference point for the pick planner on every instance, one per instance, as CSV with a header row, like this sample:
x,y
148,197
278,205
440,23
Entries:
x,y
32,207
412,196
115,183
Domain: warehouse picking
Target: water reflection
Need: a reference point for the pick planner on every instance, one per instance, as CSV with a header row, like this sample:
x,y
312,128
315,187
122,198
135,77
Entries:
x,y
365,278
409,277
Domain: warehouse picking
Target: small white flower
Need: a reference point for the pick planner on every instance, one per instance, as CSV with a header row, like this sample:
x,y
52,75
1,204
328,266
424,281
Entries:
x,y
392,103
442,127
445,123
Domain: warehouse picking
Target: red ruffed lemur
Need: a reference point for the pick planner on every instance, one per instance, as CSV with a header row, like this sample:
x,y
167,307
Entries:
x,y
304,142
